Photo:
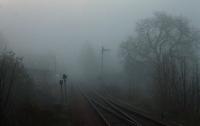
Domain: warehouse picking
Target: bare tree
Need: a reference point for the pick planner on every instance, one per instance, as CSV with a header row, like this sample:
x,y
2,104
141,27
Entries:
x,y
169,45
89,61
161,34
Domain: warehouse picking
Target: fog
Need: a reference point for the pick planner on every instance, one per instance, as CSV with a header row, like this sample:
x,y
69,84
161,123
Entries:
x,y
143,52
62,26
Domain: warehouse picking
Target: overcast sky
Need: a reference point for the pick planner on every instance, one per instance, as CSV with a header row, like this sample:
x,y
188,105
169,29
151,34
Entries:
x,y
63,25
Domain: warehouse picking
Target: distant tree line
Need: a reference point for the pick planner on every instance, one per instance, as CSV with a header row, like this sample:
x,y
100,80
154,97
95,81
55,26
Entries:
x,y
168,46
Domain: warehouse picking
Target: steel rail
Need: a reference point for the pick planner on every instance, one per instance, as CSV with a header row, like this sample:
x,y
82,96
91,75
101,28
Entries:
x,y
110,108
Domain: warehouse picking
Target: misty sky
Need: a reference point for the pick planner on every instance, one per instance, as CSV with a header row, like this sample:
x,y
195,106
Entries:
x,y
63,25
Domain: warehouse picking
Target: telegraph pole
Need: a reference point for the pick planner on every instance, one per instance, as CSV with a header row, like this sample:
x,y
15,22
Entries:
x,y
55,64
103,50
65,87
61,92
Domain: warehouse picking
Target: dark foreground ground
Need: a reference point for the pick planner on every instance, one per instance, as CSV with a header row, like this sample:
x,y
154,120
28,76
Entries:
x,y
77,113
45,116
81,112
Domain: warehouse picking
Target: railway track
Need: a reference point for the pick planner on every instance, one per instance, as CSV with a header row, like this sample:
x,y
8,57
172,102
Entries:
x,y
109,113
115,114
144,119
